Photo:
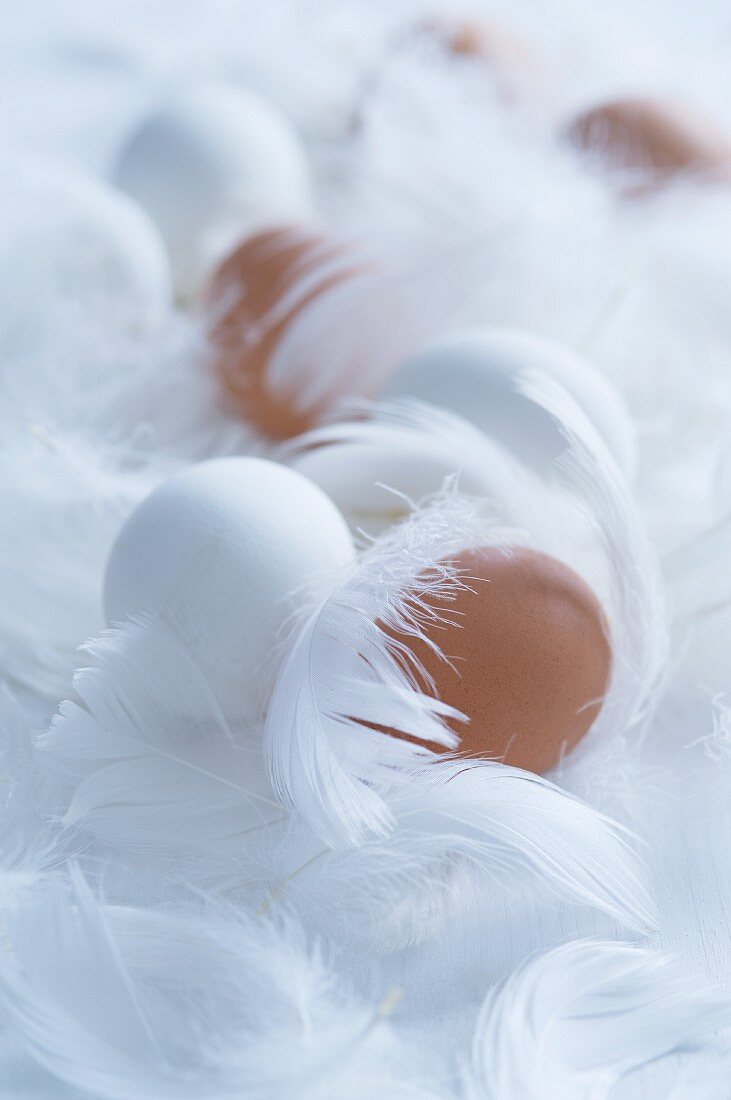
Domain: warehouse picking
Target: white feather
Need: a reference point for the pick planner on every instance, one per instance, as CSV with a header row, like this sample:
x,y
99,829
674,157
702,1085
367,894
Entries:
x,y
62,499
343,675
636,610
331,348
27,841
151,761
378,467
122,1002
571,1023
459,828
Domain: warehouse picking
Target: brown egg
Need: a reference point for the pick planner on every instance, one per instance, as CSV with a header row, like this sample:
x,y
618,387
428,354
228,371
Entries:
x,y
661,138
529,658
255,294
515,65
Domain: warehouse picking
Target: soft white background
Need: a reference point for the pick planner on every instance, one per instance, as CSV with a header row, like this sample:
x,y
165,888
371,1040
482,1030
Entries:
x,y
75,76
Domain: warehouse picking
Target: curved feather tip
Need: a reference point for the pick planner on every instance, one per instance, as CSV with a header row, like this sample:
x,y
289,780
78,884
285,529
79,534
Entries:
x,y
572,1022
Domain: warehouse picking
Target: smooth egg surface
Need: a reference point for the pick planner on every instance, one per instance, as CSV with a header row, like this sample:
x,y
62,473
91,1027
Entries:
x,y
527,656
474,372
255,295
209,167
225,552
71,239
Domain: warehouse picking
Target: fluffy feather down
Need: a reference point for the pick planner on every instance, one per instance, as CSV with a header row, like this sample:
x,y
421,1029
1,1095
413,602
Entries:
x,y
121,1002
151,761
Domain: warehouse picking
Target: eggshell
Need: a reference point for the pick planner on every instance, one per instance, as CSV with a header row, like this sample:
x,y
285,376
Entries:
x,y
365,482
253,298
67,238
226,551
517,67
210,167
528,657
375,484
660,138
473,372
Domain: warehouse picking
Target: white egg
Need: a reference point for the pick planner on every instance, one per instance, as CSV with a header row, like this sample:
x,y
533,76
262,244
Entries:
x,y
210,167
375,485
225,552
473,373
376,470
70,241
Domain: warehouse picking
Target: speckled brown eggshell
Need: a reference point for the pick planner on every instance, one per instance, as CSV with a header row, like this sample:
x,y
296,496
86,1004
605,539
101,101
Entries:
x,y
253,297
663,139
528,657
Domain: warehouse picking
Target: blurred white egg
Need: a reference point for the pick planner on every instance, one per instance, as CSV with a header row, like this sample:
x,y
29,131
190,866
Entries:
x,y
225,552
374,486
473,372
210,167
376,469
70,242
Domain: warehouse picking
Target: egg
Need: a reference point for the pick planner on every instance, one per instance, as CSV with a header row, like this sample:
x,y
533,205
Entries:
x,y
254,296
366,480
377,469
225,552
68,240
528,658
514,63
209,167
659,138
473,372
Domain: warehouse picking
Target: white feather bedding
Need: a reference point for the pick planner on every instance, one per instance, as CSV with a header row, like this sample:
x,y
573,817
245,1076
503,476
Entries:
x,y
308,908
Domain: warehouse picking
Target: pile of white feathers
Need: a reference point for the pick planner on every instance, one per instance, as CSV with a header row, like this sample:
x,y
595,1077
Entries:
x,y
309,910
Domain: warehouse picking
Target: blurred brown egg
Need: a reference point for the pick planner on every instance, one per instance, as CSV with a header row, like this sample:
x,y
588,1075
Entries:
x,y
255,294
528,657
662,139
515,64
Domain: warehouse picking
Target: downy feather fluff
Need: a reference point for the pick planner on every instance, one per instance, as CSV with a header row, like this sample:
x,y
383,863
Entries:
x,y
122,1002
150,760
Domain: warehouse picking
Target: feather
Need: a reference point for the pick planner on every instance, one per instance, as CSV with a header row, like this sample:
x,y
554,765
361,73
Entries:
x,y
62,500
457,828
330,348
150,759
343,675
377,468
121,1002
572,1022
636,608
27,841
